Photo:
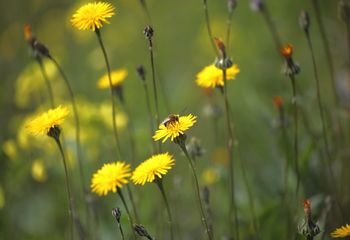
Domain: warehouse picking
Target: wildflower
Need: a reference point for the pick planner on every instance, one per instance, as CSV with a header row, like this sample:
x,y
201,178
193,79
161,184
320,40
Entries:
x,y
39,171
277,101
110,177
117,77
47,121
290,67
174,129
92,16
117,214
343,231
308,229
211,76
304,21
287,50
142,231
153,168
39,49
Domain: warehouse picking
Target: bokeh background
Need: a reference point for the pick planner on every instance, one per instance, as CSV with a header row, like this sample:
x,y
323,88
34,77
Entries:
x,y
32,193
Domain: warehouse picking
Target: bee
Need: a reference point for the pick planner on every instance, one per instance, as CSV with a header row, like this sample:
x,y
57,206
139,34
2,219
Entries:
x,y
172,118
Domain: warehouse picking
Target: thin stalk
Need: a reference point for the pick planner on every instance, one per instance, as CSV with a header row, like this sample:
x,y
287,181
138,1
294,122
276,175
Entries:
x,y
149,111
114,121
121,230
296,147
131,131
155,94
146,11
132,203
228,30
119,191
272,28
170,219
69,195
249,192
207,21
233,207
193,168
47,82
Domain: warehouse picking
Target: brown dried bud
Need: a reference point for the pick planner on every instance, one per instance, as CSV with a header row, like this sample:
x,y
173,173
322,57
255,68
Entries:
x,y
220,44
304,21
148,32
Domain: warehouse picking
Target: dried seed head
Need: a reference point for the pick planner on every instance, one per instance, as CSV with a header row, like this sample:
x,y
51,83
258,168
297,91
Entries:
x,y
257,5
117,214
304,21
344,11
148,32
141,72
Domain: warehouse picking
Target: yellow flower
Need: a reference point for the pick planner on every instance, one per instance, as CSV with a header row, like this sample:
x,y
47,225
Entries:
x,y
154,167
174,128
110,177
117,76
91,16
211,76
44,122
343,231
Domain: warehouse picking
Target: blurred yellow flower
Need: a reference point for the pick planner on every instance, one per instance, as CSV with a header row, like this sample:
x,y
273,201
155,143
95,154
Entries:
x,y
110,177
91,16
211,76
2,198
152,168
343,231
39,171
10,149
117,76
210,176
175,127
44,122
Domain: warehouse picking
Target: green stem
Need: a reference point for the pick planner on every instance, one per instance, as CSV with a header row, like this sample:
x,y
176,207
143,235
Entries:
x,y
47,82
296,147
207,21
233,207
69,196
114,121
121,230
119,191
132,203
272,28
159,183
204,220
131,134
228,31
149,111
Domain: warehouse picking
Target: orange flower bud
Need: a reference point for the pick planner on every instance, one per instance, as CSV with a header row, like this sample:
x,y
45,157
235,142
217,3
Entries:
x,y
277,101
28,35
307,207
287,50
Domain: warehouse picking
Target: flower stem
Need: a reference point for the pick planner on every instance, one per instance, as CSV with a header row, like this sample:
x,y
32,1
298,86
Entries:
x,y
131,131
161,188
121,230
119,191
132,203
272,28
204,220
114,121
207,21
69,196
228,31
149,111
296,147
233,208
47,82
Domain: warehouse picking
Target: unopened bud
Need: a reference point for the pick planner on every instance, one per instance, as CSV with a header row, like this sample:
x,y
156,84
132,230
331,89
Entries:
x,y
220,44
141,231
116,213
277,101
141,72
257,5
206,195
304,21
41,49
231,5
148,32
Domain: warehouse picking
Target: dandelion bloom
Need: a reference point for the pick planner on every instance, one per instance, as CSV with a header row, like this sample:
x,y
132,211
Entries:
x,y
343,231
175,128
110,177
48,120
154,167
91,16
117,77
287,50
211,76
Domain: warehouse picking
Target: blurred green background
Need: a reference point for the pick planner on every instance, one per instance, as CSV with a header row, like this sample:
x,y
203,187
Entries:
x,y
32,194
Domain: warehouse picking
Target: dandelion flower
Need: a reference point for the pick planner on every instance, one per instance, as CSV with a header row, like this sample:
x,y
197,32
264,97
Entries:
x,y
343,231
91,16
110,177
211,76
174,128
48,120
117,77
154,167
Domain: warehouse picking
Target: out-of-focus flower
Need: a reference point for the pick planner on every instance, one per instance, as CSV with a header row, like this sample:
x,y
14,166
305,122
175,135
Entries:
x,y
92,16
308,229
153,168
174,126
211,76
110,177
277,101
341,232
10,149
210,176
117,77
195,148
121,118
287,50
2,198
257,5
290,67
39,171
43,123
